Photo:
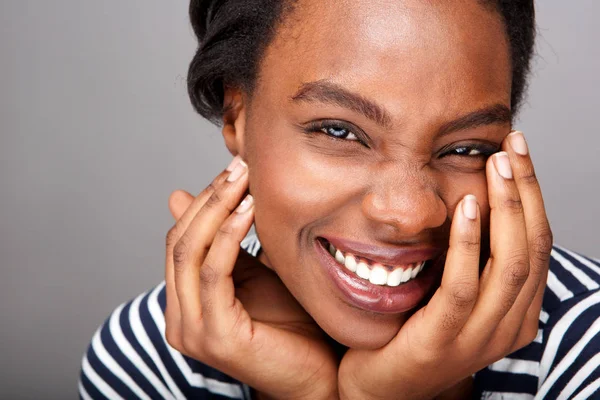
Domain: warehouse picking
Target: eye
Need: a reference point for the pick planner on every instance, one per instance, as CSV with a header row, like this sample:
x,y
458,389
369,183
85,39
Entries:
x,y
478,150
467,151
337,130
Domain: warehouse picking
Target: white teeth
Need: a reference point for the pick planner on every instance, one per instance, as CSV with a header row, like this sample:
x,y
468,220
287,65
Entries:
x,y
406,275
350,262
416,269
331,249
378,275
362,270
339,257
395,277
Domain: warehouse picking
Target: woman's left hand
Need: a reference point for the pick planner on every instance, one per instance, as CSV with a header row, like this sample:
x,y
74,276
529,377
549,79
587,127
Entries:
x,y
472,320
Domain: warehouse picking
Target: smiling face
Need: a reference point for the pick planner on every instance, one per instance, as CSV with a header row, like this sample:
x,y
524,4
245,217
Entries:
x,y
370,121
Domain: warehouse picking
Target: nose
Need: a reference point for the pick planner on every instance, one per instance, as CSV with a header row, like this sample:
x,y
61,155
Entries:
x,y
404,200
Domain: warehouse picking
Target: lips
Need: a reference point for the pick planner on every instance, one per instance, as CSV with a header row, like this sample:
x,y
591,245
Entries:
x,y
375,272
369,292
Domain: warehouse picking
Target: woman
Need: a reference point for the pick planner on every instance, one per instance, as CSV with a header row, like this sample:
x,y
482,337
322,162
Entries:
x,y
404,247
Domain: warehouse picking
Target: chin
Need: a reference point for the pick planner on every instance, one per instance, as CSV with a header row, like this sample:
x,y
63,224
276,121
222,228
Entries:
x,y
353,310
365,333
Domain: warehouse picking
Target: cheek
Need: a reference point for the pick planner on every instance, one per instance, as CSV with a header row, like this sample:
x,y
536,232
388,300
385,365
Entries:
x,y
454,188
295,187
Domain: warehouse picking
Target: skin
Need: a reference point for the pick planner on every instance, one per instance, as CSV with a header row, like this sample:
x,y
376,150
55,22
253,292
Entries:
x,y
413,60
427,64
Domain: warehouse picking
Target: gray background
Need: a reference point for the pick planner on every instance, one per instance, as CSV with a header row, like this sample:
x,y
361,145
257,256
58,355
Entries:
x,y
96,130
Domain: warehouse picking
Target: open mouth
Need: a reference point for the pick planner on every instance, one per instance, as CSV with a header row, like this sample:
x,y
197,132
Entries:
x,y
372,271
391,280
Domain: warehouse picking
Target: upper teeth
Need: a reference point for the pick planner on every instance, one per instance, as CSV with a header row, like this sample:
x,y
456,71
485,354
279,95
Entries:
x,y
376,273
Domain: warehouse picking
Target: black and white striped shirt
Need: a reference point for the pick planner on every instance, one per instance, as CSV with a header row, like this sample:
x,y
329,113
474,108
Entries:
x,y
129,357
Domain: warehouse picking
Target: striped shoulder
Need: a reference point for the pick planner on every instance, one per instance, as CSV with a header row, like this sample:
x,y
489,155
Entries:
x,y
571,275
570,360
563,360
130,358
251,244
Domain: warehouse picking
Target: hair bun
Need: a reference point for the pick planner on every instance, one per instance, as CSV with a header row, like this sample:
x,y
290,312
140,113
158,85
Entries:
x,y
201,14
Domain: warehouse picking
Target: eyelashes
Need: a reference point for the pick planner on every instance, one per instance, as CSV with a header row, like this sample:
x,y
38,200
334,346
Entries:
x,y
337,130
472,150
341,132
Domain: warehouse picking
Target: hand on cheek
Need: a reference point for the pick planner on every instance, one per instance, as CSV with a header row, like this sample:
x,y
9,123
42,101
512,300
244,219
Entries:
x,y
471,321
209,320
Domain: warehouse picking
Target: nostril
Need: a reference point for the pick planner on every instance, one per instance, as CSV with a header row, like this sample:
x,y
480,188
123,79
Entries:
x,y
409,214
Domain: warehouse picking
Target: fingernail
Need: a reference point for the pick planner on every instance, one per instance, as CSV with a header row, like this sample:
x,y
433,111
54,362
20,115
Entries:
x,y
469,207
503,165
245,204
517,142
233,163
238,171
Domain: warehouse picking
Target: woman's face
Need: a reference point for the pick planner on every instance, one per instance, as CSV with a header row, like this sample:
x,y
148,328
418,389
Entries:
x,y
370,121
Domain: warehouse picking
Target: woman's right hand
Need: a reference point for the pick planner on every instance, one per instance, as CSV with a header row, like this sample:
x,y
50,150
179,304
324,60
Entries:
x,y
254,331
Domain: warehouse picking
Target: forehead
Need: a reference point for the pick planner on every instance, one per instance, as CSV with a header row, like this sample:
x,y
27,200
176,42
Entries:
x,y
412,56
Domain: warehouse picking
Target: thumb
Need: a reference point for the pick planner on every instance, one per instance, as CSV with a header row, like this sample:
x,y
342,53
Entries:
x,y
179,201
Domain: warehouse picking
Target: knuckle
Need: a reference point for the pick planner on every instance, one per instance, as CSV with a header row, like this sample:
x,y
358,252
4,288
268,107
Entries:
x,y
506,347
530,333
512,205
208,275
181,252
218,199
214,200
211,188
463,294
504,341
173,339
528,176
171,237
516,272
427,356
541,245
226,230
190,345
527,335
470,245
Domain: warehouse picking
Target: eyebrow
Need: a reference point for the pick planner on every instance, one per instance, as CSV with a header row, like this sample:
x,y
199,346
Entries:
x,y
323,91
496,114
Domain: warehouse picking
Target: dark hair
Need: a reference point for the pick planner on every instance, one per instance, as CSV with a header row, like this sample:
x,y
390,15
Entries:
x,y
233,34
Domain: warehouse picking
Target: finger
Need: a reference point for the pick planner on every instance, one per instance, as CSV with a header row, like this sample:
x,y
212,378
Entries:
x,y
217,292
532,317
509,260
173,332
451,305
179,201
203,197
193,245
173,310
539,236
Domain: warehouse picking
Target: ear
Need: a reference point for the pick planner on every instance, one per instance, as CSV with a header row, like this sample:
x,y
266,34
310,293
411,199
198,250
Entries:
x,y
234,121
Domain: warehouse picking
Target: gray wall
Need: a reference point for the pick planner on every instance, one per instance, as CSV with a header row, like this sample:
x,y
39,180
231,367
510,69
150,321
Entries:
x,y
96,130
